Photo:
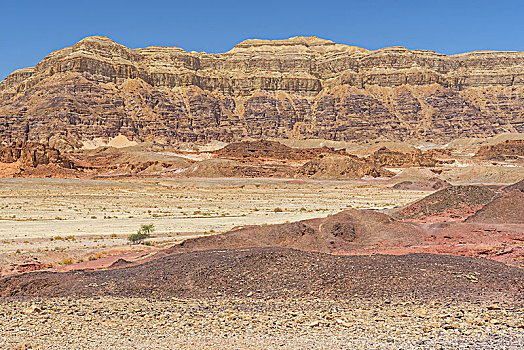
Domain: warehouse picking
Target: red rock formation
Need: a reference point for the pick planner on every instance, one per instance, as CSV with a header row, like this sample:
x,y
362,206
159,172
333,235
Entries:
x,y
341,166
32,154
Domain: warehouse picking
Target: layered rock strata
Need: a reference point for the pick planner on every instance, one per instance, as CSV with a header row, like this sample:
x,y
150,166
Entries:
x,y
303,87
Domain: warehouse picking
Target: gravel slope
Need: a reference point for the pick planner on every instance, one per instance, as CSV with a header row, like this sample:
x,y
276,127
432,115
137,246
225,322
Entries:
x,y
268,298
280,272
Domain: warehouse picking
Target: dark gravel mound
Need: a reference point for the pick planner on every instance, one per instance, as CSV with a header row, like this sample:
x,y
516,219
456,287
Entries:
x,y
466,200
507,209
367,228
276,272
518,186
342,232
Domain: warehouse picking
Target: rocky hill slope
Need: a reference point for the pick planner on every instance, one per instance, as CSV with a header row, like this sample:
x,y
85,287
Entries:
x,y
281,273
455,202
346,231
303,87
505,209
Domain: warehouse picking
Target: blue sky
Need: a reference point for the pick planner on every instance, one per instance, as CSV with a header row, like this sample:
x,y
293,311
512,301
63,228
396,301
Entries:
x,y
29,30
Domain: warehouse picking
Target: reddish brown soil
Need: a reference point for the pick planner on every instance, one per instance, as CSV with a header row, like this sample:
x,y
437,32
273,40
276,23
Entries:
x,y
21,267
503,243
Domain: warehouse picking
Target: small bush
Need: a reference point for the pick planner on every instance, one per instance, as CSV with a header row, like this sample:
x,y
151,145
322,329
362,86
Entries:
x,y
278,210
66,261
143,233
95,257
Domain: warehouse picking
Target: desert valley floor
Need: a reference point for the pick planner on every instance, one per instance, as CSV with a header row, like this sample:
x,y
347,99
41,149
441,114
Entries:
x,y
60,218
61,207
219,290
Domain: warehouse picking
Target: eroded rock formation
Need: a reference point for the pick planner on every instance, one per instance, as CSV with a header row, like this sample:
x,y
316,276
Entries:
x,y
388,158
339,166
259,150
303,87
32,154
510,149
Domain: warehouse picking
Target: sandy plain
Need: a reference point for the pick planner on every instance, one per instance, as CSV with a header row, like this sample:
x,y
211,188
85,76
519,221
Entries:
x,y
54,220
44,208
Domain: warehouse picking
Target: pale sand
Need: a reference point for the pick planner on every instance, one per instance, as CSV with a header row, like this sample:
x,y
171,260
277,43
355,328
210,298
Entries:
x,y
38,208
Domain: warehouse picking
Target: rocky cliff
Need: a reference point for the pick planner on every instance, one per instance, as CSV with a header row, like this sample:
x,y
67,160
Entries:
x,y
302,87
32,154
509,149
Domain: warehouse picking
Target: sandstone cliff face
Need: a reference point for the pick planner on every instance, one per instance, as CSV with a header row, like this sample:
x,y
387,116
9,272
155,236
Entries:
x,y
296,88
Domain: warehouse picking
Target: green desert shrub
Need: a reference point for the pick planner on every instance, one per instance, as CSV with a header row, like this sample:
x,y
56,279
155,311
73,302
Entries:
x,y
143,233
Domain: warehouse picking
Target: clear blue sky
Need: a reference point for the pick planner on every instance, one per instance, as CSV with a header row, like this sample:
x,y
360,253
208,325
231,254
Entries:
x,y
29,30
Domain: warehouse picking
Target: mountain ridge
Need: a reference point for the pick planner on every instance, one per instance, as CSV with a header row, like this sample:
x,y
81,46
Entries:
x,y
301,87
